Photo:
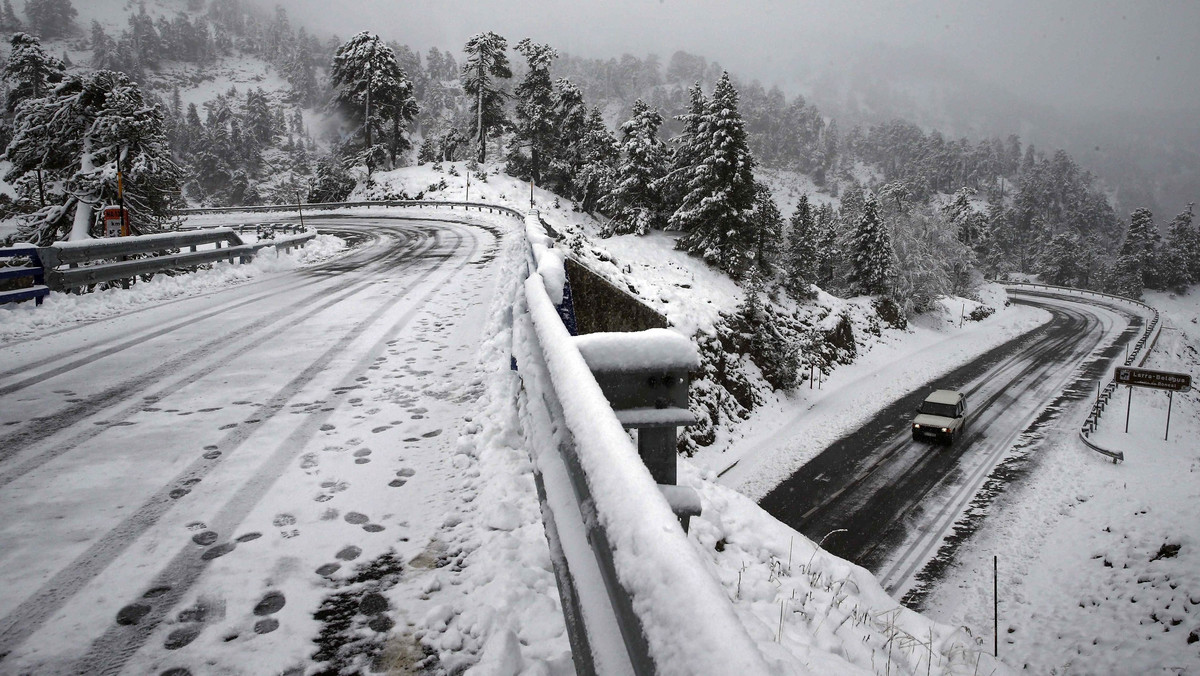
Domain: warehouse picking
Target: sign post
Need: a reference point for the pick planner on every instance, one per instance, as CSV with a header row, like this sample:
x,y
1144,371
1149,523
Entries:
x,y
1158,380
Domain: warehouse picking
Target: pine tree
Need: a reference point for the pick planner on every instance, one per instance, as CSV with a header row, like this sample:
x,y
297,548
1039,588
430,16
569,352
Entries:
x,y
535,121
872,246
76,136
1180,256
1060,261
827,249
1139,249
688,151
371,89
599,154
30,73
715,215
51,18
633,203
767,225
486,62
801,258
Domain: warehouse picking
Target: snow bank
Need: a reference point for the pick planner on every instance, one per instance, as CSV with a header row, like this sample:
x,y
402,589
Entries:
x,y
651,350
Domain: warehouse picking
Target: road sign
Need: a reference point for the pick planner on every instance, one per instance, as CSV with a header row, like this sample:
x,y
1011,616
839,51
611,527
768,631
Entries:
x,y
1159,380
115,222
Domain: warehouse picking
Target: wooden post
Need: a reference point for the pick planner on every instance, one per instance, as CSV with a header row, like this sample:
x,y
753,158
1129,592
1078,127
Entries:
x,y
1128,405
995,606
1170,401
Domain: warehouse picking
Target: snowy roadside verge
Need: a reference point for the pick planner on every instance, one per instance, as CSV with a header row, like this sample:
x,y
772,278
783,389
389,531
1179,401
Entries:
x,y
22,320
784,434
1099,563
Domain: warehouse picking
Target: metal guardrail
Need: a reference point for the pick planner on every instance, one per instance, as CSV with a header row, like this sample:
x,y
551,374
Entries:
x,y
38,290
1142,348
47,261
324,206
656,615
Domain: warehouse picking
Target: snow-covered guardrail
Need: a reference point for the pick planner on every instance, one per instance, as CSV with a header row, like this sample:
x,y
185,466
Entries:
x,y
325,206
671,614
96,260
1141,350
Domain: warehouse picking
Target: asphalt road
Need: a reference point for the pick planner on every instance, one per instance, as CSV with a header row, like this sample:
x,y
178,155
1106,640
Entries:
x,y
106,427
885,501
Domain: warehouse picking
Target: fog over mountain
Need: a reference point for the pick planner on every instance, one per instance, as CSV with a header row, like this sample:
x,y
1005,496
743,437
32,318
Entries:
x,y
1115,83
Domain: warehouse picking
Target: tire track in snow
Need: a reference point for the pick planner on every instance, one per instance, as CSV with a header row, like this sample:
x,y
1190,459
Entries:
x,y
40,430
119,343
39,607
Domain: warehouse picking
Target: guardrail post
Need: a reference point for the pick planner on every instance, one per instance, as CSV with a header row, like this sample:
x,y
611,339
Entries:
x,y
653,399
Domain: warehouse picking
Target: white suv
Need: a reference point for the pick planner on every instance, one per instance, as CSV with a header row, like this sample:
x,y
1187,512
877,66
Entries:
x,y
941,417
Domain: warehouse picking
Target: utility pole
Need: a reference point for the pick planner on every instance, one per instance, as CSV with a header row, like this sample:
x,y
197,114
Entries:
x,y
121,195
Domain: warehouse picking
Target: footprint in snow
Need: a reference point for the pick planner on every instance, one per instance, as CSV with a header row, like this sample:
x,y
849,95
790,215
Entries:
x,y
328,569
356,518
430,435
308,461
282,520
182,636
218,551
205,539
377,430
349,553
327,427
249,537
228,427
270,604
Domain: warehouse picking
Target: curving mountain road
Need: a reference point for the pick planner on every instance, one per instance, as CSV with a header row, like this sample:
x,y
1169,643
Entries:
x,y
886,502
138,452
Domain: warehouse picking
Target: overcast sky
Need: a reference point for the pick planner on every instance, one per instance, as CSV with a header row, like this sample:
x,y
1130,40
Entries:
x,y
1070,53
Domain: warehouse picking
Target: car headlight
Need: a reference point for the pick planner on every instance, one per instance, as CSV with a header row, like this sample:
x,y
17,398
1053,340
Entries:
x,y
945,429
916,426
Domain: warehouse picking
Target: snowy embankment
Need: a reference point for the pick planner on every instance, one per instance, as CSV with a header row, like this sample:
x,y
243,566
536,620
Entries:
x,y
1099,564
24,319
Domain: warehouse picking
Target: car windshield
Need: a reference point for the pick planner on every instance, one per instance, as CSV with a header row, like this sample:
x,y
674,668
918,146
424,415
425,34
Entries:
x,y
932,408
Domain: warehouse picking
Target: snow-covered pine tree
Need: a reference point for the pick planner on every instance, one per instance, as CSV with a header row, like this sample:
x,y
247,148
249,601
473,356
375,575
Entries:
x,y
872,250
486,62
801,257
599,154
715,216
1179,262
767,225
687,152
535,123
51,18
828,254
1139,248
76,135
30,72
565,157
633,204
371,90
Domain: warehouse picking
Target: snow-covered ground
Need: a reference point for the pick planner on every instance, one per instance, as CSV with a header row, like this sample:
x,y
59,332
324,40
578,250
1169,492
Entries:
x,y
1099,564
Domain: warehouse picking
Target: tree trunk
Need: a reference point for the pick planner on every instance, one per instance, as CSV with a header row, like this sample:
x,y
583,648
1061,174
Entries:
x,y
479,120
81,227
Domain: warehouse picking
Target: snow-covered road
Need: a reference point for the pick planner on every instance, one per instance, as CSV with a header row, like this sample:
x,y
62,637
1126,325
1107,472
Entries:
x,y
181,484
897,499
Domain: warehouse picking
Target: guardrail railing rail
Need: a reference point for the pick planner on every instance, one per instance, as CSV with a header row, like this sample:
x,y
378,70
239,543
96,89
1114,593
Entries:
x,y
1140,352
